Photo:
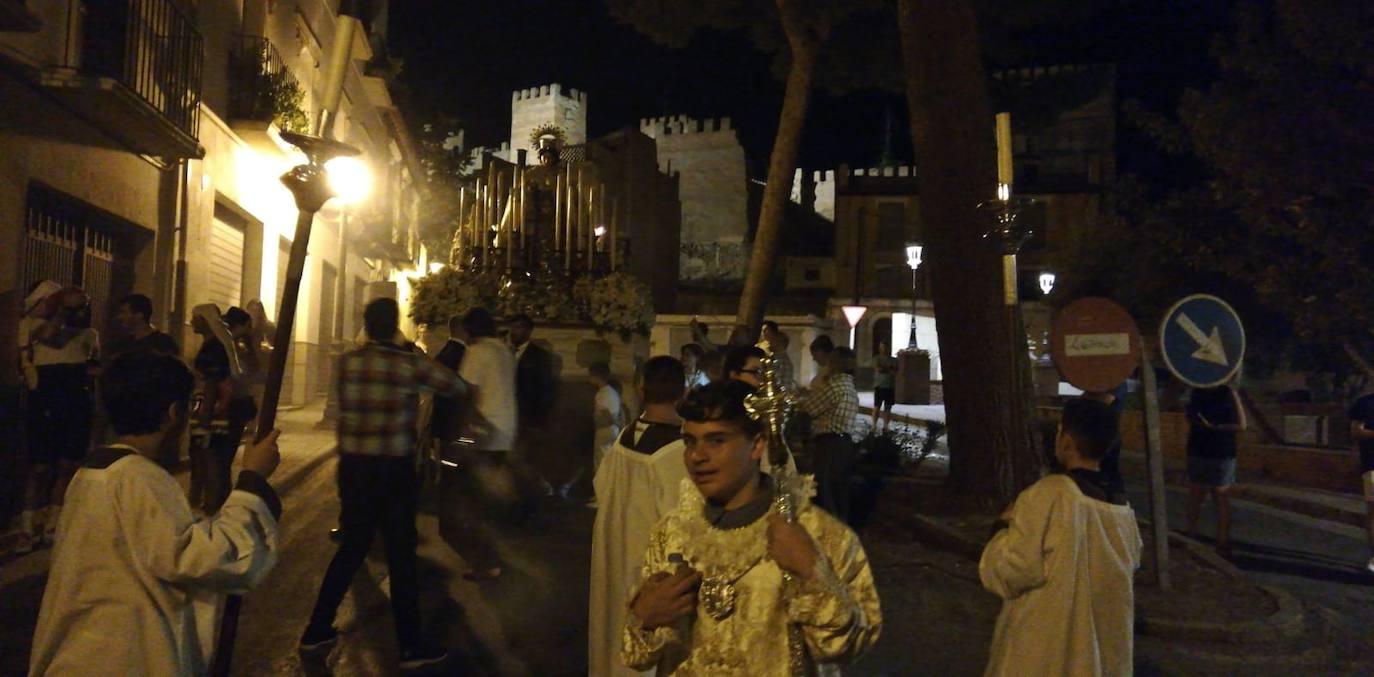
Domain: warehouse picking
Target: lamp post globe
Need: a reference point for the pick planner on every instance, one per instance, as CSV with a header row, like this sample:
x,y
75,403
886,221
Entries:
x,y
1047,282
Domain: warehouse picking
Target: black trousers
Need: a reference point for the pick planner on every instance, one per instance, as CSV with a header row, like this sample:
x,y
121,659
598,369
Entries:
x,y
377,494
833,455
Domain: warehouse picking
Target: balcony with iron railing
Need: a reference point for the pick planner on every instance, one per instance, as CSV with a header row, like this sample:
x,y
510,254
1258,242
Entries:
x,y
261,89
133,68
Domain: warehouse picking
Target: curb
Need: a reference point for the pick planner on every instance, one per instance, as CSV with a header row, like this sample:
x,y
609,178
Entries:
x,y
1285,623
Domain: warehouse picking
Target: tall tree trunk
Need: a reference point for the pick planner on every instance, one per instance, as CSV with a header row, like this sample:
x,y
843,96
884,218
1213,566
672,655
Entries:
x,y
982,350
804,42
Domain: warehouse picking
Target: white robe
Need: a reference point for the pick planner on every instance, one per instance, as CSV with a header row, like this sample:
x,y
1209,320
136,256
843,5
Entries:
x,y
1064,570
633,491
136,582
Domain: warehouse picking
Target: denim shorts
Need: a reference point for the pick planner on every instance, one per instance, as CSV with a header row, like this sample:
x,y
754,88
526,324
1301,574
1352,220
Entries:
x,y
1211,472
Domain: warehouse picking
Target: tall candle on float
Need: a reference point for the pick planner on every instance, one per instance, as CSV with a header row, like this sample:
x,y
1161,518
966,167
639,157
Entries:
x,y
1004,165
569,208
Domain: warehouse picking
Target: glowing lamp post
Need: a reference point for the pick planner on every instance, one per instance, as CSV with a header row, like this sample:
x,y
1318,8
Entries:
x,y
913,261
853,314
1046,282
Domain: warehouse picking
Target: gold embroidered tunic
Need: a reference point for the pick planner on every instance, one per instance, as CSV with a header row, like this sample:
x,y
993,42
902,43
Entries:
x,y
837,609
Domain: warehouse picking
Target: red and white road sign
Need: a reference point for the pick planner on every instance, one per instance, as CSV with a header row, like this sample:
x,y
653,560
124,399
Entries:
x,y
1095,344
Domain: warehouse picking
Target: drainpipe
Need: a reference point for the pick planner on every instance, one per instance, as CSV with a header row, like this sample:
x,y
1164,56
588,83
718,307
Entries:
x,y
177,320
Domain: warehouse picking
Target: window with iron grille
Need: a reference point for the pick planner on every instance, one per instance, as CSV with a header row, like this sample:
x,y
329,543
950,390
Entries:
x,y
75,244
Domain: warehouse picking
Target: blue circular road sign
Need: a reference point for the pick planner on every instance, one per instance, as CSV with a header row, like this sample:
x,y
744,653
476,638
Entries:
x,y
1203,341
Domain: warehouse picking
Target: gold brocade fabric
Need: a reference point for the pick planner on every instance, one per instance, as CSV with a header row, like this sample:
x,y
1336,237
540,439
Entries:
x,y
837,609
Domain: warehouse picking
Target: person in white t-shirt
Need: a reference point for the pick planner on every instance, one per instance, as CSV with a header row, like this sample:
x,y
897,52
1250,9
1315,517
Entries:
x,y
607,414
482,487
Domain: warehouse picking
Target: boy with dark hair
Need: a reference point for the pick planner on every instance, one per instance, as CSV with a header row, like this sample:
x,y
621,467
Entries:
x,y
1064,560
712,597
136,580
637,483
135,318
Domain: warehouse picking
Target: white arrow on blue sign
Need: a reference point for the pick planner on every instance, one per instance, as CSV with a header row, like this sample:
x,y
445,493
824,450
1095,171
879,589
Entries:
x,y
1203,340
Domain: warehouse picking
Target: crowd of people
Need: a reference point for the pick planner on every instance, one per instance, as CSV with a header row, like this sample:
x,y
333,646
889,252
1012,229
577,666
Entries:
x,y
698,565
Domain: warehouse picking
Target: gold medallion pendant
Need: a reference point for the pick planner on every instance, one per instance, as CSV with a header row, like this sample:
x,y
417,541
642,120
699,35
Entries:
x,y
717,595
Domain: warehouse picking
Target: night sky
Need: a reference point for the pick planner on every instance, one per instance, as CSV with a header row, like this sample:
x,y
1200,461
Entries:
x,y
464,59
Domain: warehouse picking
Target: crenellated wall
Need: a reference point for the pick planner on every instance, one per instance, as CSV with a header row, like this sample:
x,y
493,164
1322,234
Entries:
x,y
815,191
536,106
707,157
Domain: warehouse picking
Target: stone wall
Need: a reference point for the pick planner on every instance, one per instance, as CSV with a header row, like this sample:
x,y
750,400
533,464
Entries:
x,y
708,158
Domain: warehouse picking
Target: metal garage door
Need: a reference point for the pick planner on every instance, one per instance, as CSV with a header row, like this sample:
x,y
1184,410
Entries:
x,y
225,285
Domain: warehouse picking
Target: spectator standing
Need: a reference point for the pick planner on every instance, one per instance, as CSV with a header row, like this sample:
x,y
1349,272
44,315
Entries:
x,y
1362,432
379,392
136,580
821,349
483,487
1063,561
446,409
134,317
778,343
745,363
536,393
59,352
220,410
691,355
1215,416
884,387
607,413
833,406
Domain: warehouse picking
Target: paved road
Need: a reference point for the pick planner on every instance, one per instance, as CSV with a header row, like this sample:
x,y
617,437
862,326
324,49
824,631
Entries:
x,y
938,620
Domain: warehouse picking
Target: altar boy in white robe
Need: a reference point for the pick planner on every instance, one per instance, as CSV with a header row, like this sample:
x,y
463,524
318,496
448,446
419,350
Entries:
x,y
713,599
637,484
136,580
1063,564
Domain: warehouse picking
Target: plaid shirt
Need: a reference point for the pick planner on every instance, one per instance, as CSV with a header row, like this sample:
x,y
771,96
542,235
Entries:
x,y
833,405
379,397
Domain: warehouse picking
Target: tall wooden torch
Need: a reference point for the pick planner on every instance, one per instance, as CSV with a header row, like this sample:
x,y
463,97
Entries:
x,y
309,184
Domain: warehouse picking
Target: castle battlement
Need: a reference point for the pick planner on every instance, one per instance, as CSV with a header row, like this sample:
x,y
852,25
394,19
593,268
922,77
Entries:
x,y
885,172
1042,72
554,90
682,124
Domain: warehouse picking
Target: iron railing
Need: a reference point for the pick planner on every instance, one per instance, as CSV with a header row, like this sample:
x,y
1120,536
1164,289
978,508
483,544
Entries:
x,y
257,76
152,48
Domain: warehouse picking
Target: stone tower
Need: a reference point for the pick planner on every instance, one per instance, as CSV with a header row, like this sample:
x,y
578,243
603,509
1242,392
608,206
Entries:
x,y
537,106
708,158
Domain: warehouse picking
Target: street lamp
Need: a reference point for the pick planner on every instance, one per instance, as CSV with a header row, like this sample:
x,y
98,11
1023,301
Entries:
x,y
913,261
1046,282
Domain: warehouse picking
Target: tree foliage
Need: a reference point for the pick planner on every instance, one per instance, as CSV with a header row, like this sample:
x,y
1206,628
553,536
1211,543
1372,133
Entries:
x,y
447,166
1285,136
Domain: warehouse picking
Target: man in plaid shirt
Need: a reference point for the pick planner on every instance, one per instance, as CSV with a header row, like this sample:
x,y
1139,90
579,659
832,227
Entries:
x,y
833,404
379,393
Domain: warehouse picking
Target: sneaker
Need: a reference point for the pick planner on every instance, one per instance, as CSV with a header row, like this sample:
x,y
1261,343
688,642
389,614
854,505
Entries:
x,y
421,656
319,640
